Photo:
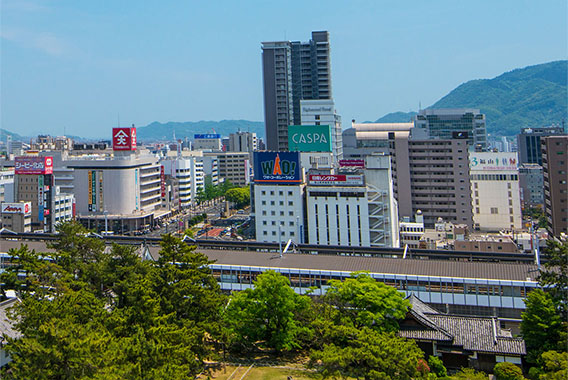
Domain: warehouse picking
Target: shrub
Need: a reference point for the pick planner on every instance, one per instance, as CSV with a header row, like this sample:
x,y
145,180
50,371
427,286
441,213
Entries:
x,y
507,371
437,366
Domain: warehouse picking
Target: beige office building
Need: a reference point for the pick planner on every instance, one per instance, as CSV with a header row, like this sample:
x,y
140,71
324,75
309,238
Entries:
x,y
495,191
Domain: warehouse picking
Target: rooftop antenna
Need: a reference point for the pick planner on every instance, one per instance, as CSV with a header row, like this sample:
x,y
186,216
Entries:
x,y
419,106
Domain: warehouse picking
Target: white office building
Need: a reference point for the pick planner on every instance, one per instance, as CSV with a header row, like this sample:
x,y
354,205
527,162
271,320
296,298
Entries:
x,y
190,175
279,212
355,208
322,112
495,191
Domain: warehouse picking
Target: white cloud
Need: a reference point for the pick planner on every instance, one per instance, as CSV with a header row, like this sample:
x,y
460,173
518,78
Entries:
x,y
46,42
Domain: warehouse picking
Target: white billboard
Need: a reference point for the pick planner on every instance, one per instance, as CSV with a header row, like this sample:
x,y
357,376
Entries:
x,y
16,208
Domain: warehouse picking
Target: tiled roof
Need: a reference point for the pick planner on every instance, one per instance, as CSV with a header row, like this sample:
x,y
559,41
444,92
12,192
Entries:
x,y
481,334
475,334
6,324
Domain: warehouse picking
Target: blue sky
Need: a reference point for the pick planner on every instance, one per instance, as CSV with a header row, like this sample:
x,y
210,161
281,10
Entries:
x,y
78,65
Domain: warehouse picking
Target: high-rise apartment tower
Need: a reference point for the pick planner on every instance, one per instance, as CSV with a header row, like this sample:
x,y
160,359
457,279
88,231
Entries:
x,y
292,71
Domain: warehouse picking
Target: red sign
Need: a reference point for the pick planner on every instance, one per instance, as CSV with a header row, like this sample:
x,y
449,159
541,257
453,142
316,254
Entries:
x,y
33,165
124,138
336,179
162,181
352,163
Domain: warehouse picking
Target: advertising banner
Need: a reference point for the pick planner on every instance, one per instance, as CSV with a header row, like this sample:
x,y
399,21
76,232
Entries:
x,y
124,138
207,136
352,163
33,165
16,208
336,179
101,200
309,138
493,161
277,167
162,181
136,189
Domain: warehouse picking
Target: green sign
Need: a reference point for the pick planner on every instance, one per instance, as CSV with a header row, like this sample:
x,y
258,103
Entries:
x,y
309,138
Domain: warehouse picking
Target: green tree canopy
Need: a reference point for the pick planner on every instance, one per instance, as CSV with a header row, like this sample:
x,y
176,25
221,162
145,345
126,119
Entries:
x,y
239,195
88,314
554,274
361,301
370,355
542,326
268,314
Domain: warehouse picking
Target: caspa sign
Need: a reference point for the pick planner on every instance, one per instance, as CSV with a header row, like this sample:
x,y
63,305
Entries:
x,y
16,208
33,165
124,138
309,138
277,167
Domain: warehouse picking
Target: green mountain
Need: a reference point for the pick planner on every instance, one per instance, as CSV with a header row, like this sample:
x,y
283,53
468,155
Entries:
x,y
397,117
15,137
533,96
165,131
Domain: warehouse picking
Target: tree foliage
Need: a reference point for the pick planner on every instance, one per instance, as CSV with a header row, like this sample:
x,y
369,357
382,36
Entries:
x,y
555,366
361,301
268,314
239,195
370,355
554,276
507,371
90,314
437,366
542,326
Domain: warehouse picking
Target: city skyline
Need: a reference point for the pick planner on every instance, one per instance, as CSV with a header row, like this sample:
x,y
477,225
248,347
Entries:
x,y
79,68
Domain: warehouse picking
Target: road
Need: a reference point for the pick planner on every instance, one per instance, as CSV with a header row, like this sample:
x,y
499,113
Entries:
x,y
213,212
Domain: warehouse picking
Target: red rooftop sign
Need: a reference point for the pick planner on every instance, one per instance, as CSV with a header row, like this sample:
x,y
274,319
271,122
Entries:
x,y
33,165
124,138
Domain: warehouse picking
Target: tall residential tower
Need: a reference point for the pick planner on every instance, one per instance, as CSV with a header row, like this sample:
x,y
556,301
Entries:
x,y
292,71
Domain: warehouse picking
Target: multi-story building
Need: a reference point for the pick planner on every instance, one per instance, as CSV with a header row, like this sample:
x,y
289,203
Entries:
x,y
233,166
495,190
48,143
34,183
190,177
411,232
293,71
16,217
243,142
120,193
531,183
322,112
210,168
207,141
6,185
528,143
278,194
555,168
353,208
447,123
439,180
430,175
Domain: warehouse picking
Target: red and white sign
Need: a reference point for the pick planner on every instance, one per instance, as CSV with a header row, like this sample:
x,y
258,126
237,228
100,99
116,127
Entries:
x,y
124,138
352,163
17,208
33,165
162,181
337,179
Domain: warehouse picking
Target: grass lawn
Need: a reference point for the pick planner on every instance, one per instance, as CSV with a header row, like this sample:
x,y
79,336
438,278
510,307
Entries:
x,y
260,373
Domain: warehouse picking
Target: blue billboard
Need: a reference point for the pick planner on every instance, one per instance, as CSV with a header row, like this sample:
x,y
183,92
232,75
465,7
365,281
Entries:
x,y
277,167
207,136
